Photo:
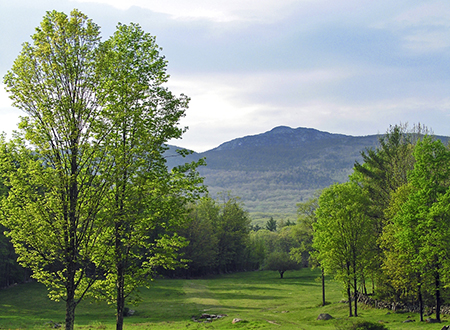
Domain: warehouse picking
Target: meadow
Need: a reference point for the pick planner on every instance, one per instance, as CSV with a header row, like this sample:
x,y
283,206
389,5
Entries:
x,y
260,299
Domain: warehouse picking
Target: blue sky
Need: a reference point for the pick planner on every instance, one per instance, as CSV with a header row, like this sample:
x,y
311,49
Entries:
x,y
343,66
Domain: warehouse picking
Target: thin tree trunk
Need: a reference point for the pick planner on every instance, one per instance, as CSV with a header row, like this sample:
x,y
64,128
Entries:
x,y
323,288
355,282
120,297
420,303
71,242
438,297
349,295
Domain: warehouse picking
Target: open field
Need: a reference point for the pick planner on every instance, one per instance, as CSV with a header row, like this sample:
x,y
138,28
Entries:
x,y
261,299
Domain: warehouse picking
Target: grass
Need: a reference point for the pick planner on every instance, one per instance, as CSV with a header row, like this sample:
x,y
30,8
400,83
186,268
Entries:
x,y
261,299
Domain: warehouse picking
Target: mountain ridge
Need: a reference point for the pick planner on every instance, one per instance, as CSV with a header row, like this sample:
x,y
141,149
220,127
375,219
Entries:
x,y
273,171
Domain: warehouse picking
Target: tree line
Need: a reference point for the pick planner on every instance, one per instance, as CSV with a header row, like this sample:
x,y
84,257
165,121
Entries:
x,y
389,224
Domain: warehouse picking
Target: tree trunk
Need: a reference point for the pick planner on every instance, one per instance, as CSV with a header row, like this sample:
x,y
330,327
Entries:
x,y
355,282
420,303
120,298
323,288
349,296
70,300
438,297
70,314
281,273
71,246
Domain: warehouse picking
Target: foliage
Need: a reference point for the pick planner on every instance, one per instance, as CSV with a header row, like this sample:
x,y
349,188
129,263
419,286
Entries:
x,y
219,238
271,224
421,223
56,191
343,235
304,230
10,271
202,250
147,203
232,230
280,261
90,195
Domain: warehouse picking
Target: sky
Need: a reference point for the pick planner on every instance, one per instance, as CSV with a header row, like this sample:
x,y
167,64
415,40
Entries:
x,y
352,67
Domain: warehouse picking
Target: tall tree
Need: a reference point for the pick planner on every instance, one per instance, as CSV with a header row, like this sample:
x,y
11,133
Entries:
x,y
202,248
344,237
232,230
400,273
144,116
304,233
423,218
383,171
56,194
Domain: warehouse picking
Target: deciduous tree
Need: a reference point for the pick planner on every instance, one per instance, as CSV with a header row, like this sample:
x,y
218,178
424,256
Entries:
x,y
145,195
344,237
57,191
422,222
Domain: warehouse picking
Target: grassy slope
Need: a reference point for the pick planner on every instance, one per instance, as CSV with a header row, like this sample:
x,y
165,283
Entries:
x,y
260,298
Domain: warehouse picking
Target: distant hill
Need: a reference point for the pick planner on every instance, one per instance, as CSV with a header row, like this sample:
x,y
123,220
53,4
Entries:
x,y
275,170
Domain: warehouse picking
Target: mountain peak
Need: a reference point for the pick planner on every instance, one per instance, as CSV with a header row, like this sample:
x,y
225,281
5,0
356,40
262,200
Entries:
x,y
280,135
281,130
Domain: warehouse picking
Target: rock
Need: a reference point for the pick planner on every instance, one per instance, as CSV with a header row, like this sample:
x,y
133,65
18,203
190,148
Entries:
x,y
236,321
206,318
408,321
430,320
324,317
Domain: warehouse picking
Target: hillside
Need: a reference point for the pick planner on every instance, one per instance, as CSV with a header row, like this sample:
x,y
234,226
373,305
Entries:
x,y
275,170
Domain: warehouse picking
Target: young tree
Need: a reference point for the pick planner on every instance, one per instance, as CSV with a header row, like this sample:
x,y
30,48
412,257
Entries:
x,y
344,237
281,262
304,233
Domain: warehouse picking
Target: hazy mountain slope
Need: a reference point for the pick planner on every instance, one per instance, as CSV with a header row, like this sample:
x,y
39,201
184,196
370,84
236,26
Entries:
x,y
275,170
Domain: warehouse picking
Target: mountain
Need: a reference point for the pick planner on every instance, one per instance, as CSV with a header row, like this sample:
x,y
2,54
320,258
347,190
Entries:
x,y
275,170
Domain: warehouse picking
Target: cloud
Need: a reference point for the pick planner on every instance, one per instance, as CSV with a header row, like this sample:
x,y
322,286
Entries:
x,y
350,66
215,10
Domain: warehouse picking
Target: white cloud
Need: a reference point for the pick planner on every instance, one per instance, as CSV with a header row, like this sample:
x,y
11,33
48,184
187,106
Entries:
x,y
216,10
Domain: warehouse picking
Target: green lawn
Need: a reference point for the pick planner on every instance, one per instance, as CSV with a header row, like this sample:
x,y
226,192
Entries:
x,y
261,299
